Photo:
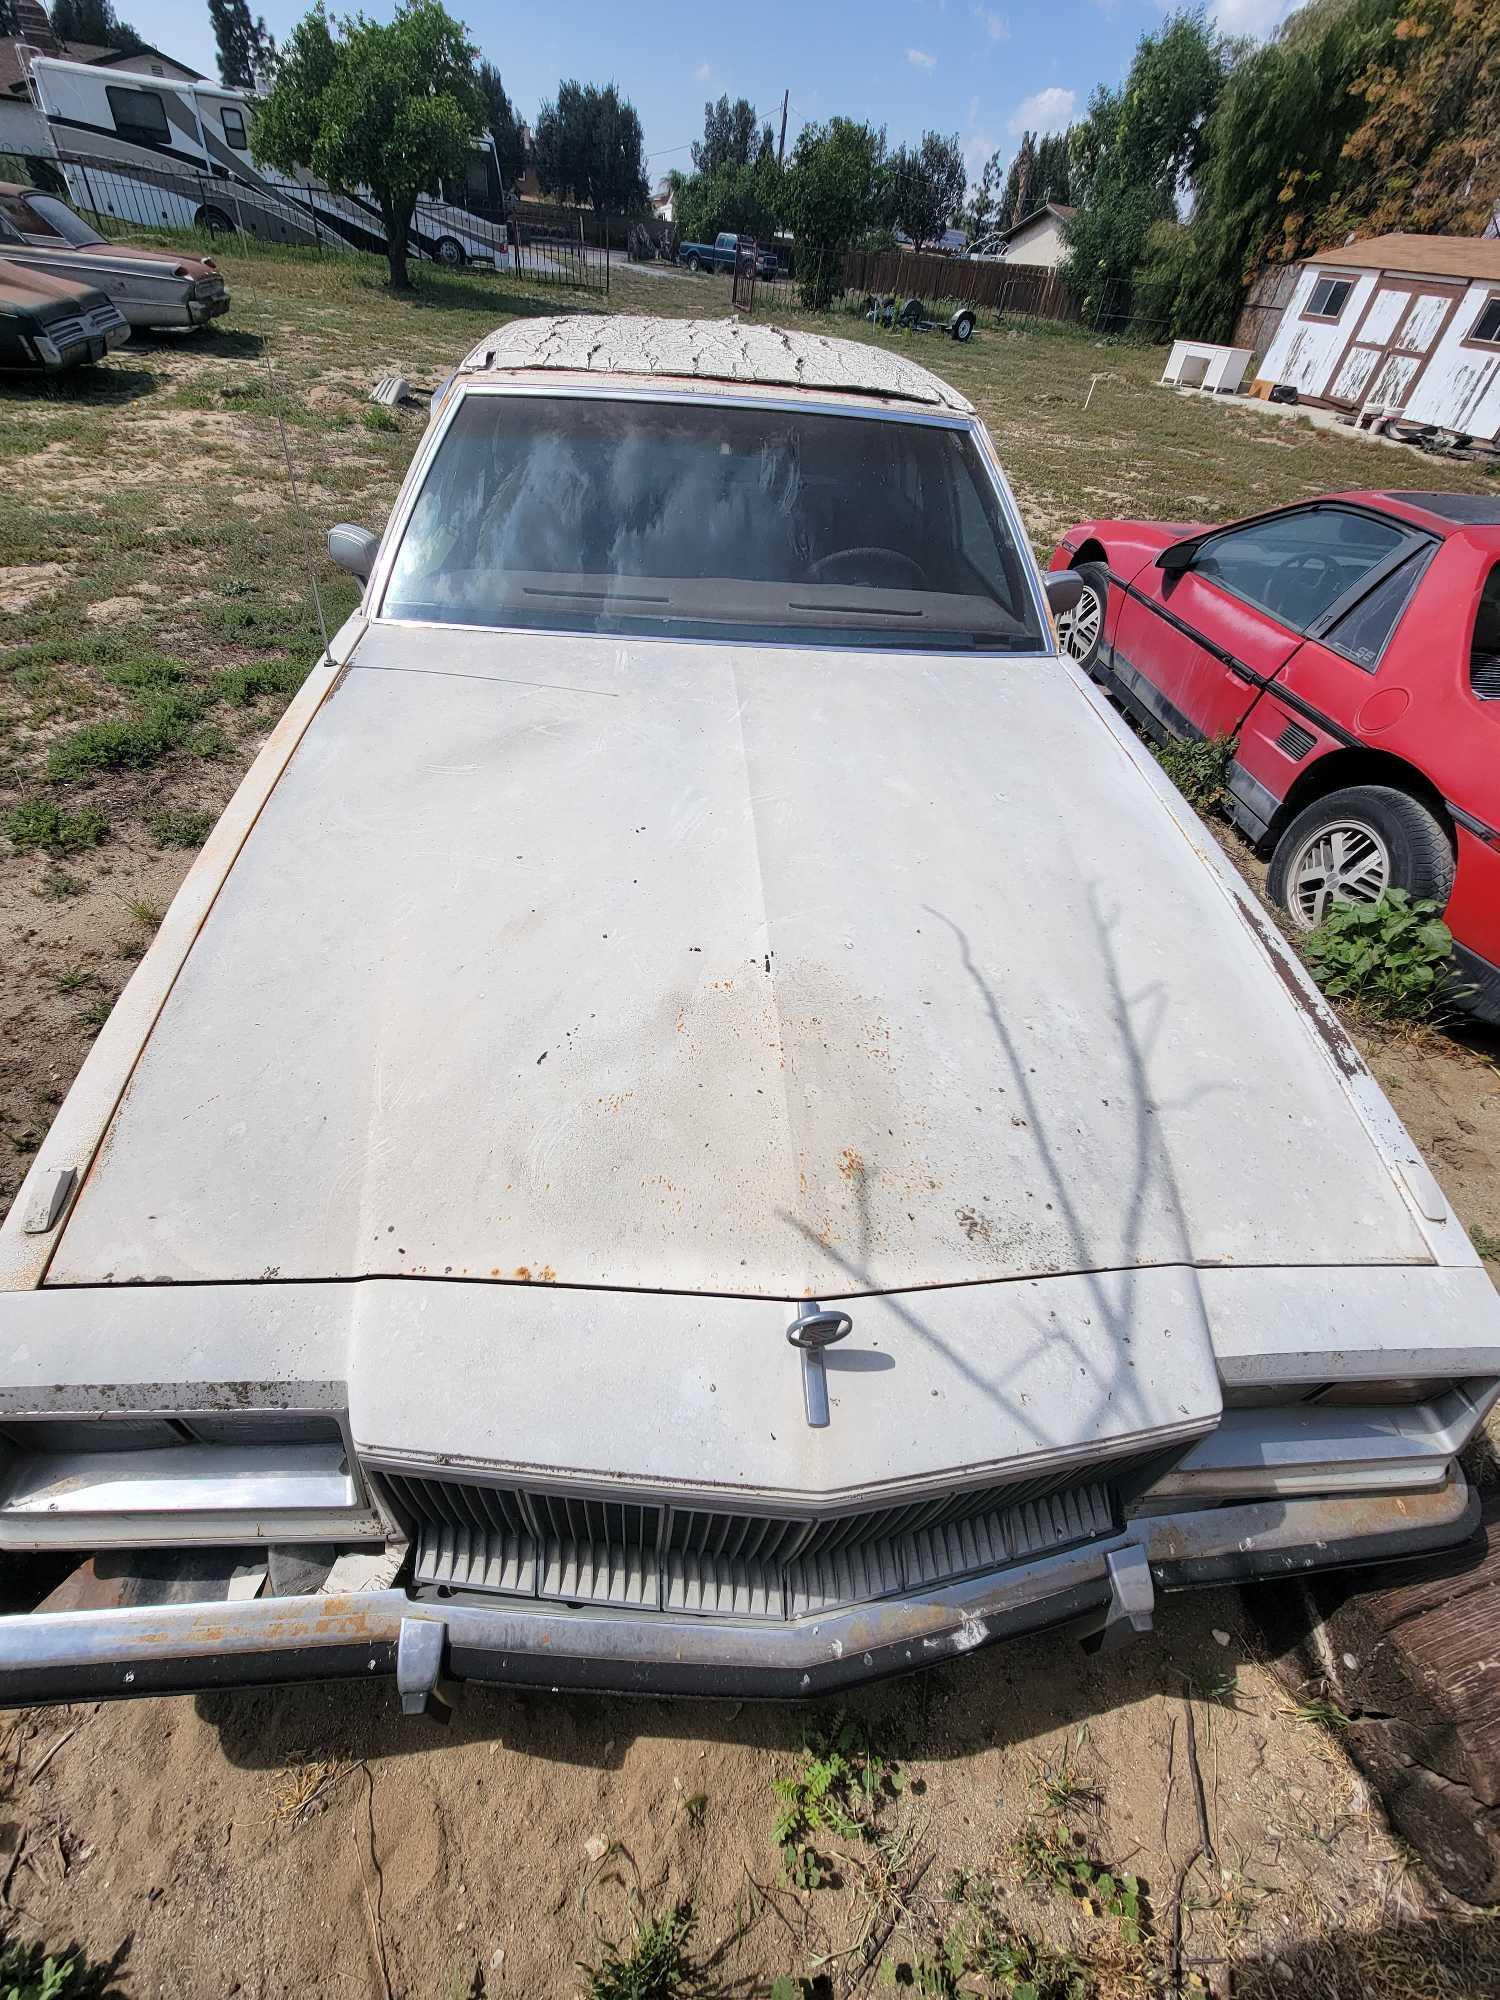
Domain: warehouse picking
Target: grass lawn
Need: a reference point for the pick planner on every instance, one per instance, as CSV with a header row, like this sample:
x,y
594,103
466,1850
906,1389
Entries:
x,y
154,617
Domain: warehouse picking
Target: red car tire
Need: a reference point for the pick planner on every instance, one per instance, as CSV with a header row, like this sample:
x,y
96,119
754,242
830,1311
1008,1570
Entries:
x,y
1351,845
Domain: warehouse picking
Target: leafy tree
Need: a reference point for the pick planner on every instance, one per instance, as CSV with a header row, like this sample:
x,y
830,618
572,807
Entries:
x,y
749,200
1016,201
1137,149
1426,154
729,136
925,187
246,47
93,21
589,147
835,191
983,213
1051,176
505,127
1275,161
394,109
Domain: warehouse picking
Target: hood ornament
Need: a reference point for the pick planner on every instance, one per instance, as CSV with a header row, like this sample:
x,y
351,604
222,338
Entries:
x,y
812,1331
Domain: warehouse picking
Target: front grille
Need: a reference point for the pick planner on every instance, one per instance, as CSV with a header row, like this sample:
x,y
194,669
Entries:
x,y
66,332
579,1549
74,327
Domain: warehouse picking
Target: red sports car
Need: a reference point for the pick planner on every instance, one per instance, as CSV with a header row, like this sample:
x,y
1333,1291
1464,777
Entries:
x,y
1351,648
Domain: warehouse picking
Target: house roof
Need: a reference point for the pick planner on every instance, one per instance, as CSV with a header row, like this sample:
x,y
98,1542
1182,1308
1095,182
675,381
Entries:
x,y
1427,256
708,350
13,76
1059,210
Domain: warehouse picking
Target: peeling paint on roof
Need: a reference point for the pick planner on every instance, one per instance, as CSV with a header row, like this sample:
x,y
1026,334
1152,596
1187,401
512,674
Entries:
x,y
710,350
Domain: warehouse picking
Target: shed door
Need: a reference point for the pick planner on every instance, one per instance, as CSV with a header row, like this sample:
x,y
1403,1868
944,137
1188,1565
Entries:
x,y
1400,327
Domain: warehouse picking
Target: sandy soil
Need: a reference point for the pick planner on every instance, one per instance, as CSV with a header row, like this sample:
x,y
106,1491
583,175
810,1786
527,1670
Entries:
x,y
489,1856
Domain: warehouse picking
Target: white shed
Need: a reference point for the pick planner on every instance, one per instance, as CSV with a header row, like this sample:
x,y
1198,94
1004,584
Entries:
x,y
1404,326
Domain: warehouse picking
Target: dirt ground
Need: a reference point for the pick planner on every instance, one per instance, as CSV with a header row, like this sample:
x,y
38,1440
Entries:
x,y
309,1841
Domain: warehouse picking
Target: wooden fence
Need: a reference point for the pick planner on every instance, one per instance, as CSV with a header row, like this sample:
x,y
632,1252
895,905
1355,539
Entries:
x,y
1267,299
1008,288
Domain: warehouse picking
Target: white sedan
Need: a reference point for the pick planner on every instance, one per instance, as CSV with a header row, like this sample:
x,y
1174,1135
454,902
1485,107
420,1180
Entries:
x,y
707,1119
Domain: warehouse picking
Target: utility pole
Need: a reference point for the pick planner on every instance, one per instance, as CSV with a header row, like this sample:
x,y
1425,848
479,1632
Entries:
x,y
781,142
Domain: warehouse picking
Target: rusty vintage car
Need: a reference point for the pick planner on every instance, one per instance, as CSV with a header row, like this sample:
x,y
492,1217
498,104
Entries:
x,y
48,324
707,1119
152,287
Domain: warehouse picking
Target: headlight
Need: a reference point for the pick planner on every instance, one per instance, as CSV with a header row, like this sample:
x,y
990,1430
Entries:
x,y
179,1479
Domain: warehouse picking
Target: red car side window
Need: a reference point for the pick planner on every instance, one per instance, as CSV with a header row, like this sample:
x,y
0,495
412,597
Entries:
x,y
1364,630
1298,565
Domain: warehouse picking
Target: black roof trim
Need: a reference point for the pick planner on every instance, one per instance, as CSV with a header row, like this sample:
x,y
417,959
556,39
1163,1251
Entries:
x,y
1464,510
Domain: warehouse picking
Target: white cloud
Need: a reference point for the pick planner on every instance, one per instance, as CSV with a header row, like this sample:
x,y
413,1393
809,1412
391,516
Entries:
x,y
919,59
1250,17
703,73
977,148
1049,110
995,25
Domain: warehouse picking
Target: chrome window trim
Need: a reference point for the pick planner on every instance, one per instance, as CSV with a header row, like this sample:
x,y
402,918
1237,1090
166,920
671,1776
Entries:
x,y
819,402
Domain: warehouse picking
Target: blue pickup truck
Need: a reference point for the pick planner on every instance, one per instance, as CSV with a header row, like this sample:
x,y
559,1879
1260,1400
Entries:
x,y
720,255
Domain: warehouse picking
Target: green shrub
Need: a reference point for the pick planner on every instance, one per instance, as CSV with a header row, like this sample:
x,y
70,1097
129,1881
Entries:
x,y
275,676
653,1966
180,826
379,418
1199,769
1394,956
149,672
31,1972
40,825
158,726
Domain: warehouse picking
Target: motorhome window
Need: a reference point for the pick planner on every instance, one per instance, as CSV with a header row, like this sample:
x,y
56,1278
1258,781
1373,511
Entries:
x,y
139,115
233,121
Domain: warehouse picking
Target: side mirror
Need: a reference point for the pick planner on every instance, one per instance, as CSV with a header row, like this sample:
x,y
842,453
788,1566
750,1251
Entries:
x,y
1177,558
1064,587
353,549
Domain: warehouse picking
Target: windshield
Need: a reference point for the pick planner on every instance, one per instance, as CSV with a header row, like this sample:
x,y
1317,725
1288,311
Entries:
x,y
697,520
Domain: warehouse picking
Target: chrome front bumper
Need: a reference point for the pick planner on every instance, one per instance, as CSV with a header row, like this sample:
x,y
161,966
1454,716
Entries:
x,y
1104,1589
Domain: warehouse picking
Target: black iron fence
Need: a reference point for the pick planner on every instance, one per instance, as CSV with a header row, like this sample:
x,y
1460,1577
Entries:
x,y
115,193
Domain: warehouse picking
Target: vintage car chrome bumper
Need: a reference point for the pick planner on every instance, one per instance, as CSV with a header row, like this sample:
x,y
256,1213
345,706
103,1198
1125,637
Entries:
x,y
1105,1589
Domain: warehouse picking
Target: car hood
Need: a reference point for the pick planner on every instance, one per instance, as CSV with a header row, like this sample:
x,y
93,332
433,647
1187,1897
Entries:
x,y
708,968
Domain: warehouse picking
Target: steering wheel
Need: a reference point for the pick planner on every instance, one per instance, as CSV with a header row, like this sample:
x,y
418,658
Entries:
x,y
916,575
1291,579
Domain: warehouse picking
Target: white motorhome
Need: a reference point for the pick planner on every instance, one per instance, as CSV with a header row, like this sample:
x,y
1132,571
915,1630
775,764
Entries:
x,y
170,153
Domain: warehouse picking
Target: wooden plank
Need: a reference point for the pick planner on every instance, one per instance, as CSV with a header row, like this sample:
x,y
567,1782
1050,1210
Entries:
x,y
1412,1656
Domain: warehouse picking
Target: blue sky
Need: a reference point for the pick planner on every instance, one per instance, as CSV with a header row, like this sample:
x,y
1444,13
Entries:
x,y
983,71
